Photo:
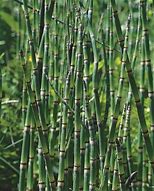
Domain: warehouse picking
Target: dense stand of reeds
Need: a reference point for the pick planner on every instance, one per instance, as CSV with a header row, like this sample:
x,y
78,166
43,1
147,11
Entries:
x,y
77,102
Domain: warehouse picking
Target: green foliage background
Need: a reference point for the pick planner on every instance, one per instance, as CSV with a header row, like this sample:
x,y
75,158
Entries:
x,y
11,123
10,126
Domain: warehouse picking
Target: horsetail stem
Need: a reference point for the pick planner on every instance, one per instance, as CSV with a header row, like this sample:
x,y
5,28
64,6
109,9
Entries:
x,y
77,117
116,109
78,111
134,87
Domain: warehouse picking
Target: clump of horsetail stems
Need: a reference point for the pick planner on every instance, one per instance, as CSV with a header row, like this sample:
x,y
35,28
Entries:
x,y
78,103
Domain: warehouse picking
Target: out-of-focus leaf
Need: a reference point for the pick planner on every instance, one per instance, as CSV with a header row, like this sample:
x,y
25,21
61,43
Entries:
x,y
9,20
118,60
2,42
1,56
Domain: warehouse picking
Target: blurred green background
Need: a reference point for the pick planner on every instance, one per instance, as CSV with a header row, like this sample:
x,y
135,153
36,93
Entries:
x,y
11,124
